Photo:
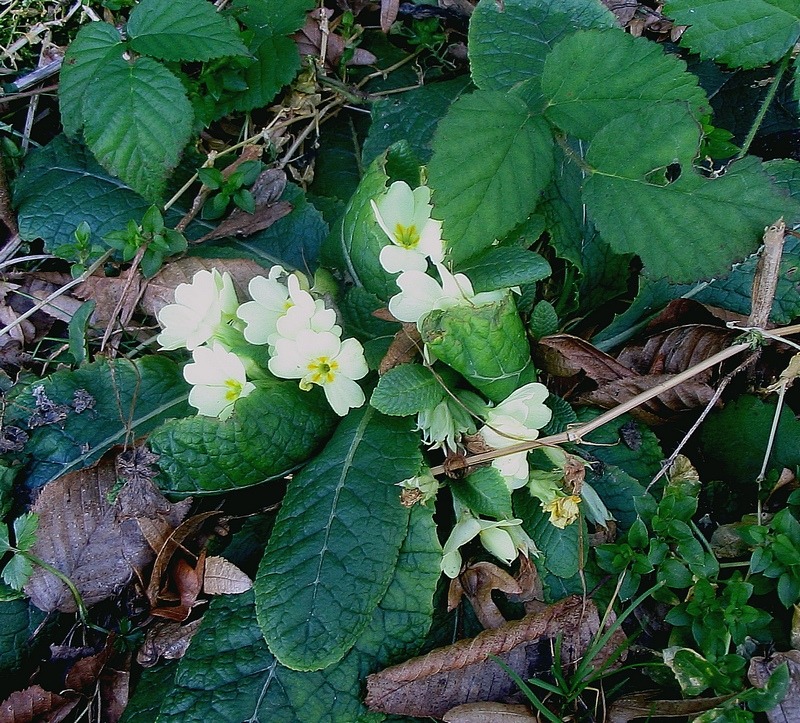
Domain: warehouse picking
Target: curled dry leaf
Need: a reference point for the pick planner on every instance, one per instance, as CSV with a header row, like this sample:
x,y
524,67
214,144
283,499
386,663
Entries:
x,y
477,583
224,578
464,672
489,713
168,640
83,535
311,38
161,289
788,710
405,346
36,704
648,705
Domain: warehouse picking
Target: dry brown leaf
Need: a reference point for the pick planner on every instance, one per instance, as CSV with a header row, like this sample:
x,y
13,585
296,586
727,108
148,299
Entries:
x,y
564,355
624,10
36,705
477,582
82,534
22,333
110,293
114,692
389,10
224,578
188,583
166,639
489,713
404,348
788,711
311,38
464,673
160,290
648,705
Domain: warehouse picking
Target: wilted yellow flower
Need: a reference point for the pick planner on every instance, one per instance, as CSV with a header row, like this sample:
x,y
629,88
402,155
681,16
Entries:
x,y
563,510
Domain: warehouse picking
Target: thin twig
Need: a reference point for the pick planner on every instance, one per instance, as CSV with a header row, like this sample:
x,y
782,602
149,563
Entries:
x,y
773,431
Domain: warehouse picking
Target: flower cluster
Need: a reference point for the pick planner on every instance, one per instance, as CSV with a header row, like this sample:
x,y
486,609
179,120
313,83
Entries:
x,y
301,334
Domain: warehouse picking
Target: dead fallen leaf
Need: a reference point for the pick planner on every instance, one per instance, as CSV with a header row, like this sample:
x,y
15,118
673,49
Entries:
x,y
489,713
788,711
36,705
224,578
464,672
166,639
477,583
310,40
405,346
160,290
389,10
648,705
82,535
22,333
111,293
187,580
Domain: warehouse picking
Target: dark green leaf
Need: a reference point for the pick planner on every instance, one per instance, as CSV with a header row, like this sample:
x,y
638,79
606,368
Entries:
x,y
78,326
544,320
561,549
769,697
485,492
503,267
491,160
693,672
18,622
335,544
273,430
137,119
407,389
153,687
181,30
274,17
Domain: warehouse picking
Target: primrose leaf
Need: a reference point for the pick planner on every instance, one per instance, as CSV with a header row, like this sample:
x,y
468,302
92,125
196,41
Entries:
x,y
487,344
406,389
491,160
584,95
485,492
509,42
684,229
503,267
137,121
61,186
125,400
229,675
273,429
94,45
181,30
336,540
739,34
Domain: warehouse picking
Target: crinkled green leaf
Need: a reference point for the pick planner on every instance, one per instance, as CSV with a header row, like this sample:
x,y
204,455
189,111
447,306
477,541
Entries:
x,y
584,95
18,622
335,544
94,45
181,30
137,119
151,690
491,160
544,320
274,17
129,399
687,229
357,309
560,548
292,241
228,674
486,343
407,389
508,42
273,429
485,492
61,186
503,267
411,116
740,34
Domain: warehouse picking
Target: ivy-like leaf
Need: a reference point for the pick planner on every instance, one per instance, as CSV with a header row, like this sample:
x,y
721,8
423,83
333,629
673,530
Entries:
x,y
584,95
181,30
739,34
61,186
689,228
128,399
94,45
228,674
491,160
487,344
485,492
273,429
137,119
508,42
503,267
406,389
331,555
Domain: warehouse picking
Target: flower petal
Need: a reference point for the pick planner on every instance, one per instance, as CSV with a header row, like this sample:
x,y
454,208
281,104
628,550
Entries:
x,y
343,394
351,359
395,259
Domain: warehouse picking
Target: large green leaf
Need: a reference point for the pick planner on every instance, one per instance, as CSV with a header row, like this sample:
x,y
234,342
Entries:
x,y
509,41
181,30
274,17
126,399
687,229
137,119
491,160
273,429
486,343
503,267
584,95
61,186
151,690
407,389
336,541
485,492
94,45
737,33
18,622
228,674
619,491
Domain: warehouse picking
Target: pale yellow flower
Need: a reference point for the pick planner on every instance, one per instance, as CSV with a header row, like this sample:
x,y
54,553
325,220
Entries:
x,y
563,510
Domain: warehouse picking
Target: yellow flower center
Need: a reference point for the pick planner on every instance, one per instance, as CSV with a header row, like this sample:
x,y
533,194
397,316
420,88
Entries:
x,y
322,370
233,390
406,236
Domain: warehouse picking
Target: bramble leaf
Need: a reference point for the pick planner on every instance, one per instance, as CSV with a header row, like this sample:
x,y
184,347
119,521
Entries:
x,y
406,389
491,160
140,120
739,34
335,543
